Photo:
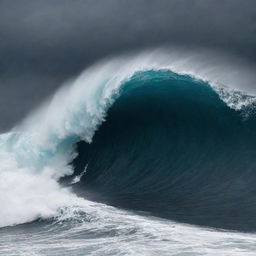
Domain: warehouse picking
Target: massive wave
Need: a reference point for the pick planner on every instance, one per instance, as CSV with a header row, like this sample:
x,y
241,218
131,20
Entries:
x,y
156,135
170,146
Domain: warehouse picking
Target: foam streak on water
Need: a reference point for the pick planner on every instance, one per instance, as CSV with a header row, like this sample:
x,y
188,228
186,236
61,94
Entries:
x,y
97,229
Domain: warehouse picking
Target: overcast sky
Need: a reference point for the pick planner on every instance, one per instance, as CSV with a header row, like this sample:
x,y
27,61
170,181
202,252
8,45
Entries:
x,y
44,42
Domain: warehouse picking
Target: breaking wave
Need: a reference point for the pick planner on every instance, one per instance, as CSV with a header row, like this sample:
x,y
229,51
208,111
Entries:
x,y
141,134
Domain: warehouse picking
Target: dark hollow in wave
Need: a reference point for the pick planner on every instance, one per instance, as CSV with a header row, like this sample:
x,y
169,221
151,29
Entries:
x,y
171,147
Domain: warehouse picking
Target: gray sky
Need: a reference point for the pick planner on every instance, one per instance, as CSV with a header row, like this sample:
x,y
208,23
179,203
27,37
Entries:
x,y
44,42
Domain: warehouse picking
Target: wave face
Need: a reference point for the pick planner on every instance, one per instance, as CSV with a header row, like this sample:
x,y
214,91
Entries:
x,y
171,147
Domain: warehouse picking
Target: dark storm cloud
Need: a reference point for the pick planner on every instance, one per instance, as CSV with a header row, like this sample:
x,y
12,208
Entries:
x,y
44,42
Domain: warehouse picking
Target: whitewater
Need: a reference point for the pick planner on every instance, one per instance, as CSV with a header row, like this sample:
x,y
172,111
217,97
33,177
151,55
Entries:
x,y
41,216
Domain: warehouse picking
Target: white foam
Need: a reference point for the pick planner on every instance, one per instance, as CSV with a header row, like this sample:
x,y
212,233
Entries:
x,y
25,196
